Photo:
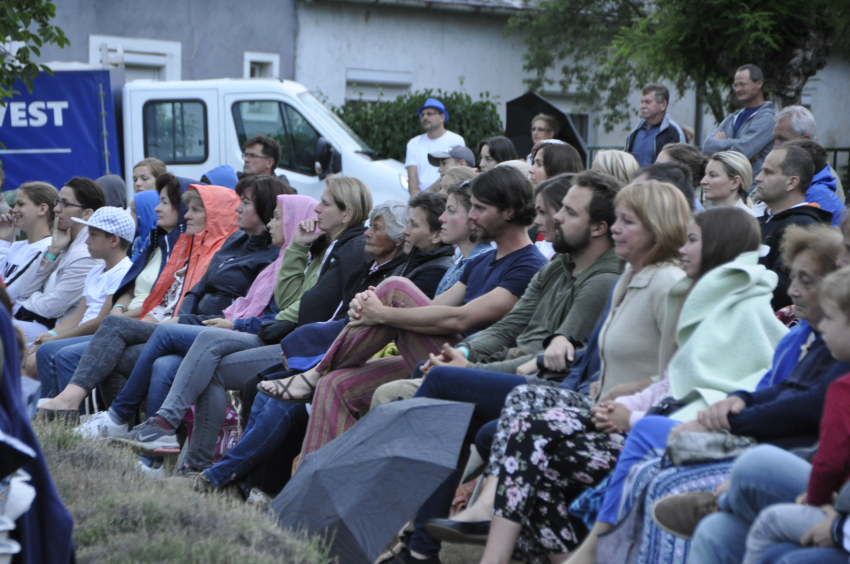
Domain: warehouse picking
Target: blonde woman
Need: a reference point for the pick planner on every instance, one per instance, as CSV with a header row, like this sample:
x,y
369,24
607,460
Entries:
x,y
619,164
727,176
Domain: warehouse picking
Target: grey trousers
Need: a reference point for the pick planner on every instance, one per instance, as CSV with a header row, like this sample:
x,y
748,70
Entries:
x,y
219,360
115,347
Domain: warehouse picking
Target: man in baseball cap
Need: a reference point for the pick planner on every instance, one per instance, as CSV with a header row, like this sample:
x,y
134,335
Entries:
x,y
461,155
110,234
421,174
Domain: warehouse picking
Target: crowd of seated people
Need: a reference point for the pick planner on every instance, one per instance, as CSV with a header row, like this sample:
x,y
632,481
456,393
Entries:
x,y
590,316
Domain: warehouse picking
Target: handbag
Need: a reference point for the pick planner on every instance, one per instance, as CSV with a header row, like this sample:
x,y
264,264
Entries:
x,y
668,405
699,448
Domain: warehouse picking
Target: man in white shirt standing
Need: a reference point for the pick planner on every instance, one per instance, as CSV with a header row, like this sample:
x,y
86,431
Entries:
x,y
420,173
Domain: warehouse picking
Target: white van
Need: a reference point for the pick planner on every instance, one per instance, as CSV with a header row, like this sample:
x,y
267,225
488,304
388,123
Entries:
x,y
194,126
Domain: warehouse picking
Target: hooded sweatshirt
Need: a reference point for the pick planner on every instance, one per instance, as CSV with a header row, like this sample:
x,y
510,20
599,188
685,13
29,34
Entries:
x,y
822,191
114,190
198,249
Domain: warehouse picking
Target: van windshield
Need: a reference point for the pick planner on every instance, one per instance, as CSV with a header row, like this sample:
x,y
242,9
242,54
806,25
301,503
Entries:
x,y
315,104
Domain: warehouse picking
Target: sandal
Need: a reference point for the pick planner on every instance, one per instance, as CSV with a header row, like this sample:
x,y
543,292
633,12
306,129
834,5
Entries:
x,y
281,389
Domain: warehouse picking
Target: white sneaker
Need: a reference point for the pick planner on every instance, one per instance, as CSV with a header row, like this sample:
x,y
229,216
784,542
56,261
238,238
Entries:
x,y
100,426
156,471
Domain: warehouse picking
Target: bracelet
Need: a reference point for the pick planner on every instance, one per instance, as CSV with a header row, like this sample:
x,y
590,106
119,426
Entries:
x,y
53,333
465,351
121,306
49,256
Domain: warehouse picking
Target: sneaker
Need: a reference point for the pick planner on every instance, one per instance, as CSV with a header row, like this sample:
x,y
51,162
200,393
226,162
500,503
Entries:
x,y
100,426
154,470
679,514
149,436
259,498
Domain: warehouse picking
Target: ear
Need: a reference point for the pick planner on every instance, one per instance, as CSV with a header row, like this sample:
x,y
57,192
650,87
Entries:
x,y
436,237
43,210
599,229
792,183
87,213
509,213
736,182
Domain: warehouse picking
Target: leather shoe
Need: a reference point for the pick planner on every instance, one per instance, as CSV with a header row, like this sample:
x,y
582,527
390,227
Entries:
x,y
459,532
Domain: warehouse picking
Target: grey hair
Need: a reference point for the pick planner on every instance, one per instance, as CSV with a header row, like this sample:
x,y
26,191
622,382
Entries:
x,y
395,214
802,121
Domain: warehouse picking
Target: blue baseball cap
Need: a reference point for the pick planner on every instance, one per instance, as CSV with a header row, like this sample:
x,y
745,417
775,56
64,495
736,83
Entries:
x,y
437,105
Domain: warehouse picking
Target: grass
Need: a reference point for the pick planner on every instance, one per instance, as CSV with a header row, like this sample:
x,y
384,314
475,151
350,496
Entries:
x,y
121,516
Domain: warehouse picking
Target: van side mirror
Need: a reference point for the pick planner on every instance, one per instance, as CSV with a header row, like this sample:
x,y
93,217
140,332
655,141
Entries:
x,y
328,159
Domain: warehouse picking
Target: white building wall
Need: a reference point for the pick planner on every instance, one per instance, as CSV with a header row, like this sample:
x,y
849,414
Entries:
x,y
437,48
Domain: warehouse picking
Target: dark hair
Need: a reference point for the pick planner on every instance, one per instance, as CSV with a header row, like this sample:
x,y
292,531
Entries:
x,y
264,192
689,156
799,163
506,187
819,155
433,204
462,193
172,188
554,189
87,192
559,158
726,233
755,72
501,149
605,188
676,174
661,92
271,148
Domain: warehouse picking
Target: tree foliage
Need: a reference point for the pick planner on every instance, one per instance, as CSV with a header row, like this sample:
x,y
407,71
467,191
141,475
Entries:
x,y
607,50
25,27
387,126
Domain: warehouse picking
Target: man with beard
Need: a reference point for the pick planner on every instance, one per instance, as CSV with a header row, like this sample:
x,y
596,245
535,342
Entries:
x,y
561,306
563,301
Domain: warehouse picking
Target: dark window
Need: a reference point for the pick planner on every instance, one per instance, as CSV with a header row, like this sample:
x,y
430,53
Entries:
x,y
297,138
175,131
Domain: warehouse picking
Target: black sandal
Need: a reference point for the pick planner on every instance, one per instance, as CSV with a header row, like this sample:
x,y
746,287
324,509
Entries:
x,y
281,389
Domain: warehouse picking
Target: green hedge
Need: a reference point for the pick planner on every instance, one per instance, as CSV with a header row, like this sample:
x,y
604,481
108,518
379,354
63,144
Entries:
x,y
387,126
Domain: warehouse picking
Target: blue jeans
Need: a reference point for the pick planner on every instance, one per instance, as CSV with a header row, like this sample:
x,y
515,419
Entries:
x,y
488,391
760,477
155,370
648,436
55,370
790,553
270,424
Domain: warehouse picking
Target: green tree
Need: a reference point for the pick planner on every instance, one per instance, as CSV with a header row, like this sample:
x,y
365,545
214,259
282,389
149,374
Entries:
x,y
607,50
25,26
387,126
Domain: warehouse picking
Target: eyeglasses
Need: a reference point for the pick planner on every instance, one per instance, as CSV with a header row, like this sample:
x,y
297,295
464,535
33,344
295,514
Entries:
x,y
253,156
741,84
66,204
534,129
430,114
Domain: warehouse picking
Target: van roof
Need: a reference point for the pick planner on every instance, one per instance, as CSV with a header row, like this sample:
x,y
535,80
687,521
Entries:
x,y
231,84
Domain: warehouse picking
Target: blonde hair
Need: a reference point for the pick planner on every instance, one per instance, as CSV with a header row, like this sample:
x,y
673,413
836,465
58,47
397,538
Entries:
x,y
736,164
664,211
155,166
460,173
836,287
619,164
192,196
350,194
824,241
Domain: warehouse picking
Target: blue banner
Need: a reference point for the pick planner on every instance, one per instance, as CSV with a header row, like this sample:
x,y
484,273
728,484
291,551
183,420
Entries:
x,y
56,132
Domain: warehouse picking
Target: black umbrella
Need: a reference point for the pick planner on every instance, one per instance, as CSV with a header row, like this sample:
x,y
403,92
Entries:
x,y
360,488
521,110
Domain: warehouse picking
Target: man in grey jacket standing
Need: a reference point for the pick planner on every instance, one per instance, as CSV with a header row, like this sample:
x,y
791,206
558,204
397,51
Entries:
x,y
655,128
750,129
54,288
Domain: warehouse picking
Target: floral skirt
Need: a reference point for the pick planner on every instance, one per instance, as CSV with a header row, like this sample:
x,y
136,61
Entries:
x,y
549,455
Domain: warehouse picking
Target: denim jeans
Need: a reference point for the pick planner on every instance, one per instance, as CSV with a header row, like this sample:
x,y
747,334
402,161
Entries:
x,y
648,436
271,423
51,372
155,370
775,534
759,478
792,553
217,361
487,390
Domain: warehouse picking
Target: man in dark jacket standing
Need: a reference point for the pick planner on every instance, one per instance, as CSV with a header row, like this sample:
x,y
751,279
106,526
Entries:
x,y
782,185
655,128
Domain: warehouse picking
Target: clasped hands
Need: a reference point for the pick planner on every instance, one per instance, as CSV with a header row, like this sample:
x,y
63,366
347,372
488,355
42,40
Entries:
x,y
365,308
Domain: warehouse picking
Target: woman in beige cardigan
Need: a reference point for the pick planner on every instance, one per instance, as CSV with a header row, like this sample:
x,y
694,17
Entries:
x,y
651,225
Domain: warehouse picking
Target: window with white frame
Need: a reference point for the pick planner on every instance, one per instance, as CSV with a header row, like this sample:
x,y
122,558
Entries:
x,y
142,58
372,85
261,65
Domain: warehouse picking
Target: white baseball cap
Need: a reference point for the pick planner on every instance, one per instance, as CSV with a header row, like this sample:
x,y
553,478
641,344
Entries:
x,y
115,221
